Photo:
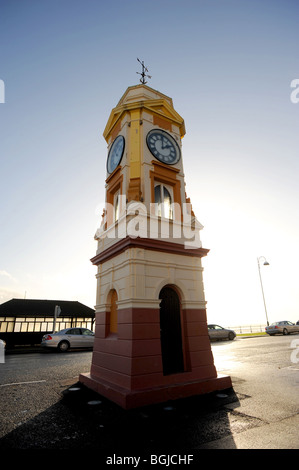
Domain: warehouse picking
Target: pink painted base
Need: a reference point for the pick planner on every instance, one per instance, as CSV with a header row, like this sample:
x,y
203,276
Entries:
x,y
127,367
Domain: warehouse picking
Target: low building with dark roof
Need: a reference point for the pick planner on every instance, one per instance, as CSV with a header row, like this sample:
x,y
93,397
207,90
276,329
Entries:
x,y
25,321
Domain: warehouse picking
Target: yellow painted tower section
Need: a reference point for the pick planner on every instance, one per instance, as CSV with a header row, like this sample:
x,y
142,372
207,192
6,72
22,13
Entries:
x,y
135,132
140,109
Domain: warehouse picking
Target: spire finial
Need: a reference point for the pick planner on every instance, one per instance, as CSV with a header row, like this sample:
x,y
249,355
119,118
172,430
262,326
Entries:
x,y
143,74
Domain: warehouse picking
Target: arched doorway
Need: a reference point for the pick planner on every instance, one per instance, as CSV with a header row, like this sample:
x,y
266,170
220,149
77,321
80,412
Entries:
x,y
171,332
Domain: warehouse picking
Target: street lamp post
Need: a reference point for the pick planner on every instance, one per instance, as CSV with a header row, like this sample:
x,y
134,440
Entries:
x,y
265,264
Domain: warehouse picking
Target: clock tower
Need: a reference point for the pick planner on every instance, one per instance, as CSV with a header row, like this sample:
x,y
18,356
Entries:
x,y
151,336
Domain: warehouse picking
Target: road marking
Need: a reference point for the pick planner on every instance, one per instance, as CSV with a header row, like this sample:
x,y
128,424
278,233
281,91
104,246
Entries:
x,y
23,383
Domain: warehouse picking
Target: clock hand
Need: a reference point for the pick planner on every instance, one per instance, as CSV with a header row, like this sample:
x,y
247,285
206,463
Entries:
x,y
166,146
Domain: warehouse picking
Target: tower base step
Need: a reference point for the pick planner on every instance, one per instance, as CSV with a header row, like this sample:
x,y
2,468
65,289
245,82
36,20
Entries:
x,y
128,399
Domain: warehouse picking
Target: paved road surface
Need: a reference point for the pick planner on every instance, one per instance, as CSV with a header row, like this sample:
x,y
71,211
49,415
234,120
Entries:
x,y
38,411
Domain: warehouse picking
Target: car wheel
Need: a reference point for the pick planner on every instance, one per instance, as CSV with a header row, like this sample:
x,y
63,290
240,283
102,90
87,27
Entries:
x,y
231,336
63,346
285,331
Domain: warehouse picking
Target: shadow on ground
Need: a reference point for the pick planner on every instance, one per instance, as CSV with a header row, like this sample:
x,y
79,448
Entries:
x,y
84,420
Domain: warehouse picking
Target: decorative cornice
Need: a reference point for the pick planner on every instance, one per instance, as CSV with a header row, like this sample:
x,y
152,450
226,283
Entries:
x,y
147,244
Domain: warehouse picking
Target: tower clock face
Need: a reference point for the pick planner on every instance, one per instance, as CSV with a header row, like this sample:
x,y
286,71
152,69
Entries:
x,y
115,153
163,146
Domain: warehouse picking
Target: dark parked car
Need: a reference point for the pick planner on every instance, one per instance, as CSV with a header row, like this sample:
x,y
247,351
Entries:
x,y
218,332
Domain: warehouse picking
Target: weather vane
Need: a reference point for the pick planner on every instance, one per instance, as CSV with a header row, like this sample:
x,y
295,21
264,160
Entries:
x,y
143,74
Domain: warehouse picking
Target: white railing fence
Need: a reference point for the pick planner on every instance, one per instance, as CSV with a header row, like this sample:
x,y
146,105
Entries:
x,y
248,329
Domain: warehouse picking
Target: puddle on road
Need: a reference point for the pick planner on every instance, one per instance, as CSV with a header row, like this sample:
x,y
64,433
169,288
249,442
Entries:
x,y
226,364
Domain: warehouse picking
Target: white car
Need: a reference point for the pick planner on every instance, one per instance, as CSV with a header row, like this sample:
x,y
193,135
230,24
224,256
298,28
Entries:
x,y
2,351
282,327
69,338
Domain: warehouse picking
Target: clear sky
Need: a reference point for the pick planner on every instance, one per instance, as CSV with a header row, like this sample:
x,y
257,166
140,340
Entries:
x,y
227,65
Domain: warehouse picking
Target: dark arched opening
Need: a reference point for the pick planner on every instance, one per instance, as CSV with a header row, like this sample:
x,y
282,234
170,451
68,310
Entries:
x,y
171,332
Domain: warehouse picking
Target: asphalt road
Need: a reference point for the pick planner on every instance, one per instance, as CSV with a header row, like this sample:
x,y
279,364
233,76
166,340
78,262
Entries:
x,y
265,371
39,410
